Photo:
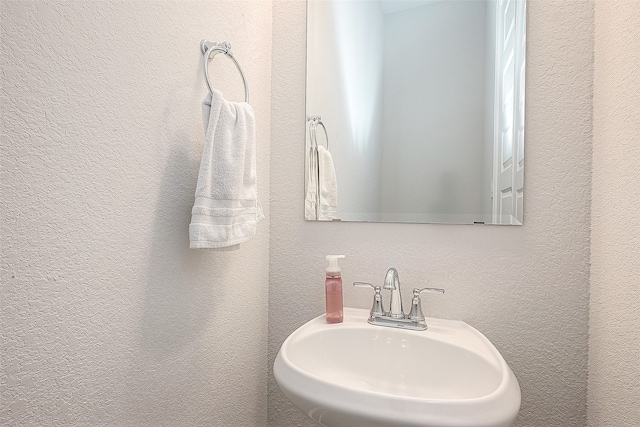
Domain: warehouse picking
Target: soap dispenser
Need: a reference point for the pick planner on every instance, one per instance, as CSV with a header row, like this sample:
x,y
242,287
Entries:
x,y
333,289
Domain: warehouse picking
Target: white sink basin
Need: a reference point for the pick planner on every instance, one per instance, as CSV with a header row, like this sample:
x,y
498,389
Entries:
x,y
354,374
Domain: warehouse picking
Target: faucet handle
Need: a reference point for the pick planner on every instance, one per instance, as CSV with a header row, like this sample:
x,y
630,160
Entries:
x,y
416,306
376,309
417,292
363,285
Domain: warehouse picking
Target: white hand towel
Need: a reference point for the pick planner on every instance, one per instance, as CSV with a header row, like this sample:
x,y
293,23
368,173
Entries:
x,y
226,210
311,195
327,209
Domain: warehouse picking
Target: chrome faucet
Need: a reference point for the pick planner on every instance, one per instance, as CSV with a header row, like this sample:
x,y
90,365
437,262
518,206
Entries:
x,y
395,317
392,283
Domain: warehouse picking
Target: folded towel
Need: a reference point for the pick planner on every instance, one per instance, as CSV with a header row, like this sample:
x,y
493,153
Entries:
x,y
226,210
311,195
328,185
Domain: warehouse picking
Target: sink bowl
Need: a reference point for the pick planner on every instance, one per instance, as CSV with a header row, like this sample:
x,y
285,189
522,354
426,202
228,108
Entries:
x,y
354,374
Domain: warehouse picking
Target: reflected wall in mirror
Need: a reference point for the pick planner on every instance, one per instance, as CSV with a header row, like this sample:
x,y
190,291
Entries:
x,y
421,105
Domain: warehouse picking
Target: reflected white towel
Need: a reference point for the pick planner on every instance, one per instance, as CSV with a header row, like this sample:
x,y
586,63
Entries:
x,y
226,210
311,195
328,186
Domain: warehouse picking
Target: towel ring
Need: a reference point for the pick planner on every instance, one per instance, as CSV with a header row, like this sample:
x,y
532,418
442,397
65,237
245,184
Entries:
x,y
210,50
319,122
315,136
315,121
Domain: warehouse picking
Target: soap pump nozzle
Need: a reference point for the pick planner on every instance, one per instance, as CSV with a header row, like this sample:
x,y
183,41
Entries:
x,y
333,268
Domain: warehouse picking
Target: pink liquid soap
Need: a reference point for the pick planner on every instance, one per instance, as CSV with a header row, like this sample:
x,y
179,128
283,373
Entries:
x,y
333,287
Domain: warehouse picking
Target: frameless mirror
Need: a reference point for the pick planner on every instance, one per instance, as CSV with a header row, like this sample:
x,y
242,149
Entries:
x,y
418,107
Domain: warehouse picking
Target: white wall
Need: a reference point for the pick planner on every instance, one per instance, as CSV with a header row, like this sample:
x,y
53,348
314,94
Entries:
x,y
614,321
434,59
525,287
107,317
344,74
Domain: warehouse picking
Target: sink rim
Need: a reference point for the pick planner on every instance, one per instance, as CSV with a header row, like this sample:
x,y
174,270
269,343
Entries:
x,y
500,406
318,325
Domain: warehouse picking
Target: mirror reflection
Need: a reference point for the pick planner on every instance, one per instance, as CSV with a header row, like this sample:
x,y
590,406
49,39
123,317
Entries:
x,y
415,111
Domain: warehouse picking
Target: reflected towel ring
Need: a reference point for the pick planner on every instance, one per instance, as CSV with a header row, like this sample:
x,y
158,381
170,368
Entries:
x,y
210,50
315,137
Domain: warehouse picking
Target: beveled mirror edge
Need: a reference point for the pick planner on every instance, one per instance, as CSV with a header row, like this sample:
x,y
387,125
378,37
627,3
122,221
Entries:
x,y
362,218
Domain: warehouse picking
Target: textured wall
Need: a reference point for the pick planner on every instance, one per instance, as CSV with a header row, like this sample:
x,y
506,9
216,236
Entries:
x,y
107,317
614,323
525,287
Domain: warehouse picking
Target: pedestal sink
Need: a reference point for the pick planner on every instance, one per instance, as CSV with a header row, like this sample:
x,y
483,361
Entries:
x,y
354,374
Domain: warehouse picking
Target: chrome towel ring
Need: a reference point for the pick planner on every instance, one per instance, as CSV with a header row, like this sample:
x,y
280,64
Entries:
x,y
315,121
210,50
319,122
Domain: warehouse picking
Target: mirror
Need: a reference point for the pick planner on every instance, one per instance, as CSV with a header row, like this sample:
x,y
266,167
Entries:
x,y
421,106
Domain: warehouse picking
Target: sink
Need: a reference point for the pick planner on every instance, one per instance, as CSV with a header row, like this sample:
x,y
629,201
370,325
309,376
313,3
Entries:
x,y
354,374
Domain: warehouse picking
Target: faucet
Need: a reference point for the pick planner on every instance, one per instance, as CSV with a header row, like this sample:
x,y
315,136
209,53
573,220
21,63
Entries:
x,y
395,317
392,283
